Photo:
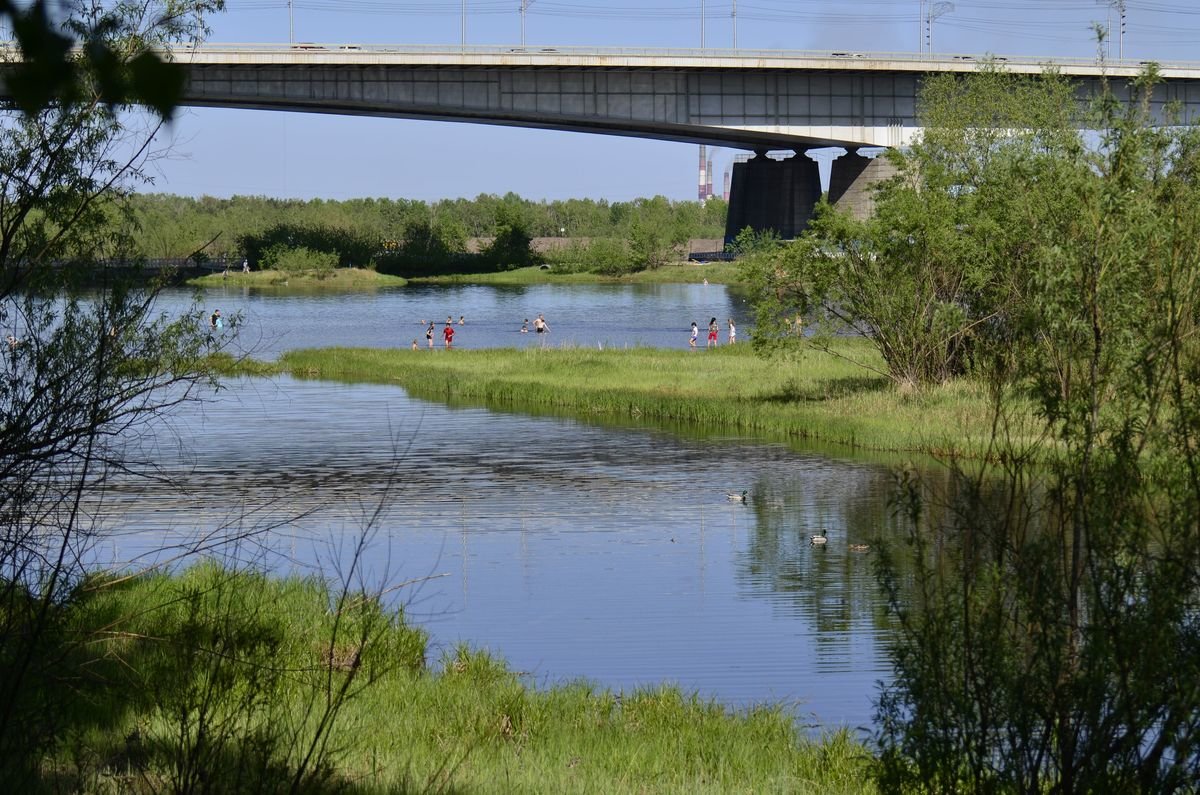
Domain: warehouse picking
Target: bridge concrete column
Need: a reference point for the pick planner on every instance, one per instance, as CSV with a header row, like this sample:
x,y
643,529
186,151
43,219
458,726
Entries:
x,y
772,194
851,180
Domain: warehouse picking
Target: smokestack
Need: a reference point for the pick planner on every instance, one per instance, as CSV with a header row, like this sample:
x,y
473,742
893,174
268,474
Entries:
x,y
701,192
725,195
708,191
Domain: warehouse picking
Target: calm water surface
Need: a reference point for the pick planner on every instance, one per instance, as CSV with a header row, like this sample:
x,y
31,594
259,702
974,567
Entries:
x,y
658,315
571,550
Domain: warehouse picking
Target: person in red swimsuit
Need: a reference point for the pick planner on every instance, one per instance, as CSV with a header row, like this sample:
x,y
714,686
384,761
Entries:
x,y
448,333
712,333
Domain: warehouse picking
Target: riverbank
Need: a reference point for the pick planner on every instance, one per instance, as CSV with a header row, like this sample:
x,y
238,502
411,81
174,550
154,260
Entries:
x,y
335,280
224,677
678,273
814,396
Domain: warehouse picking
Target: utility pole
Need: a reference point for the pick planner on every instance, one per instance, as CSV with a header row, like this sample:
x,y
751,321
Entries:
x,y
702,24
464,24
525,4
1119,6
291,25
921,28
733,14
936,9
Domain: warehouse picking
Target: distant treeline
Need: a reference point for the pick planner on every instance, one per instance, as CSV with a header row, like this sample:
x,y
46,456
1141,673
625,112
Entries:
x,y
408,236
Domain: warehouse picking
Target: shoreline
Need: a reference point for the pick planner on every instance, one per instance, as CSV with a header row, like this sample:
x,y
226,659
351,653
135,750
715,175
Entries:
x,y
813,396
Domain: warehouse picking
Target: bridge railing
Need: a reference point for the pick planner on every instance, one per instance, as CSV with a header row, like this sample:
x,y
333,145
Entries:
x,y
849,55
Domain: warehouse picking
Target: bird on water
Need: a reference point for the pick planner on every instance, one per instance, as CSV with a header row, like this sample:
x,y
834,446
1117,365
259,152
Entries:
x,y
818,538
733,496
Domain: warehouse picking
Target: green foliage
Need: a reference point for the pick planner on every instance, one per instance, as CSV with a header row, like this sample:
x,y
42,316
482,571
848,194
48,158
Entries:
x,y
101,52
946,264
750,242
297,259
606,256
175,226
215,680
1048,636
424,242
652,237
346,247
510,248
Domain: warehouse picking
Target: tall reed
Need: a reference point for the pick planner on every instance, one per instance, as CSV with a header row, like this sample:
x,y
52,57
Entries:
x,y
240,655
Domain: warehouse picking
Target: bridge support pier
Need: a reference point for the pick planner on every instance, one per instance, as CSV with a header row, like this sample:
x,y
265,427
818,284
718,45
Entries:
x,y
850,181
772,194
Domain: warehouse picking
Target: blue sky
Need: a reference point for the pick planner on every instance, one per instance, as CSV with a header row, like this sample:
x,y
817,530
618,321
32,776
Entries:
x,y
228,152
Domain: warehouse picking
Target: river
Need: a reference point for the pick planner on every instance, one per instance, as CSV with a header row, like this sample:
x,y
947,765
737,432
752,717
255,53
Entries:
x,y
610,315
572,550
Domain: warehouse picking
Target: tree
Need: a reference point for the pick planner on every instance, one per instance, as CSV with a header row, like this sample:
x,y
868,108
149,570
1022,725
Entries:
x,y
79,370
1047,635
944,260
510,248
85,50
653,232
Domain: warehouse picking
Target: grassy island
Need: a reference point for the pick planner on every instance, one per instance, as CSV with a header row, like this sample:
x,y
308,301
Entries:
x,y
815,395
332,280
678,273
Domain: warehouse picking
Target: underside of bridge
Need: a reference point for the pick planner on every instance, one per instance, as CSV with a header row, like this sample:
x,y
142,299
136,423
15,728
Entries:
x,y
780,195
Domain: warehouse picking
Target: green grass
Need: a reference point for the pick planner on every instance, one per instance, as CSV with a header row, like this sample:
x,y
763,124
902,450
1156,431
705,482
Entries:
x,y
244,655
813,396
679,273
337,280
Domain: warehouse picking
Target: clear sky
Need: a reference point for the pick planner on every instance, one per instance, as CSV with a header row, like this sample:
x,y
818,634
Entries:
x,y
228,152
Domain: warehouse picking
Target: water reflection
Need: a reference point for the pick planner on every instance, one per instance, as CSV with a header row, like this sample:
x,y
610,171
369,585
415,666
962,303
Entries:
x,y
572,550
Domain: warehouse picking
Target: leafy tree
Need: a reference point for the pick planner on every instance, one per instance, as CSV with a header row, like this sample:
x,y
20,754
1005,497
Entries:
x,y
945,258
80,369
82,51
510,248
750,242
345,246
424,242
1048,637
653,237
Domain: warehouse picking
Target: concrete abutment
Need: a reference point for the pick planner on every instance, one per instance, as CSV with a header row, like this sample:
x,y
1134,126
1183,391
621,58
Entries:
x,y
780,195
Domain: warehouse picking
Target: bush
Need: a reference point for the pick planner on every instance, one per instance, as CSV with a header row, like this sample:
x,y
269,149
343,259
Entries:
x,y
605,255
298,259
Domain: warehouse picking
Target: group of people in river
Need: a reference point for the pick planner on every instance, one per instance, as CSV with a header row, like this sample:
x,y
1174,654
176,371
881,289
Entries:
x,y
447,331
713,331
540,326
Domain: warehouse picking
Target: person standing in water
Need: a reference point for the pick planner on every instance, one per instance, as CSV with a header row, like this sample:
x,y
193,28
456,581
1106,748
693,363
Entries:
x,y
448,334
712,333
695,334
429,335
732,332
541,327
525,326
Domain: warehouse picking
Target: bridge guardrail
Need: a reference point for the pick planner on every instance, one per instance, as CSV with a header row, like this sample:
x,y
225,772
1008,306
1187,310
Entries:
x,y
956,59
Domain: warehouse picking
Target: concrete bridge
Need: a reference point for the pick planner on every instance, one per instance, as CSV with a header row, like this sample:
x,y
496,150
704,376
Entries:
x,y
753,100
